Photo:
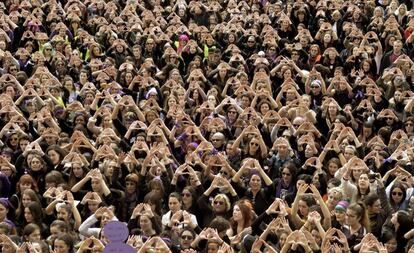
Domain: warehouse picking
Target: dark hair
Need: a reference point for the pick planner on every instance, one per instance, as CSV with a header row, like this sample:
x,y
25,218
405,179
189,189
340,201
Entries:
x,y
156,199
305,177
66,238
28,229
63,226
220,223
292,169
370,199
361,213
404,193
36,211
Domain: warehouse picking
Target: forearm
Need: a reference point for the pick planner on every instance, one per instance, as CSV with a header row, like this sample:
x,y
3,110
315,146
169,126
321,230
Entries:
x,y
77,217
79,185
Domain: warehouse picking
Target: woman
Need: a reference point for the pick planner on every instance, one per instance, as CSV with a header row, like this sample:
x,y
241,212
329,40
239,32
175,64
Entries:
x,y
5,205
255,147
63,243
38,169
240,221
254,190
144,223
286,182
25,182
56,155
28,196
189,197
132,194
398,197
357,224
187,236
33,213
76,173
31,233
401,222
174,204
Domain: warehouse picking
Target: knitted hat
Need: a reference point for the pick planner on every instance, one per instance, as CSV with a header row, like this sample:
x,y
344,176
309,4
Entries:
x,y
342,205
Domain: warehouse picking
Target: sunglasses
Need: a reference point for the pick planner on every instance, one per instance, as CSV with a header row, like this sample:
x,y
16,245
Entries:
x,y
397,193
186,194
218,202
186,237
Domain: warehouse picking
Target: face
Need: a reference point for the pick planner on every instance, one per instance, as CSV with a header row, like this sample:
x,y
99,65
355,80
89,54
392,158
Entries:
x,y
219,205
186,239
145,223
363,181
96,185
332,168
92,206
77,171
187,197
63,214
303,208
237,214
397,195
255,182
333,198
286,176
340,215
264,108
348,153
26,200
130,187
217,141
391,245
351,217
61,246
25,186
34,236
54,156
3,212
28,215
254,145
36,164
174,204
212,247
376,207
357,172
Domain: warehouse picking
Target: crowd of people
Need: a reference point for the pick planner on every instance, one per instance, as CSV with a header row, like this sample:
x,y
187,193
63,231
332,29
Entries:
x,y
213,126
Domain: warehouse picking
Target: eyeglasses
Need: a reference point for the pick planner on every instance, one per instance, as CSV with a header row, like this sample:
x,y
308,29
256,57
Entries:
x,y
218,202
186,237
350,215
186,194
397,193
